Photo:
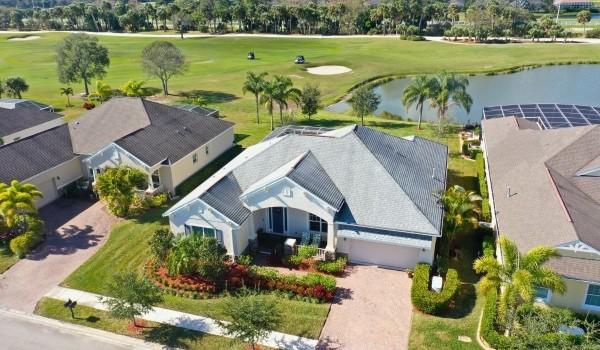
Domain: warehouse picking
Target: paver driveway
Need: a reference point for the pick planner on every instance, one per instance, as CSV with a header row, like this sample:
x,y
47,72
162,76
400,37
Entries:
x,y
75,230
371,311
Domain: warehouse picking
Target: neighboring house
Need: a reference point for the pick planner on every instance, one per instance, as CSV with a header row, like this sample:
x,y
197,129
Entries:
x,y
544,184
12,103
17,123
167,143
368,194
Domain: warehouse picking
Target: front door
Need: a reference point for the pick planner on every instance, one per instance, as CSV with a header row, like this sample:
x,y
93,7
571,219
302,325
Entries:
x,y
278,217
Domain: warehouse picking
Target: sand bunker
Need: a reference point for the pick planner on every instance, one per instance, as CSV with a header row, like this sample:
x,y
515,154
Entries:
x,y
25,38
328,70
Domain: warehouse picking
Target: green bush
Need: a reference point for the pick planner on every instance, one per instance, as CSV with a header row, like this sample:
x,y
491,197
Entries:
x,y
245,260
307,251
488,246
158,200
593,33
334,267
431,302
23,244
483,189
488,323
294,260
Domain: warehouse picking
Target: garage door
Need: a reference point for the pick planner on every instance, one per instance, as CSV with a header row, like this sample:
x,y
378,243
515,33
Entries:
x,y
364,252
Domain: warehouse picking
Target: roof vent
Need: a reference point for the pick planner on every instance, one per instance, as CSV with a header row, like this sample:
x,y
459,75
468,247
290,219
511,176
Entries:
x,y
508,193
433,173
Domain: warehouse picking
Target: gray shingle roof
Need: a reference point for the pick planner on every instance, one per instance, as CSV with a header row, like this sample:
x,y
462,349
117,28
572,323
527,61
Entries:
x,y
14,120
576,268
224,197
309,174
31,155
372,195
151,131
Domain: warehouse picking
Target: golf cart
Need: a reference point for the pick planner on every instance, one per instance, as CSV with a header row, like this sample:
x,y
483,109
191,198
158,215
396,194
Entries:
x,y
299,59
251,55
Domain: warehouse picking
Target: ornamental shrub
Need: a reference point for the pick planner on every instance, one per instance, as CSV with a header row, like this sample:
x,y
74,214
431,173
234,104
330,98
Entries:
x,y
431,302
483,189
488,323
23,244
334,267
488,247
307,251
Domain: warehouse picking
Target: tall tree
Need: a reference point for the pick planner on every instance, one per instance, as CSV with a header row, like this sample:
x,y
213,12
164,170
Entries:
x,y
268,97
253,317
67,91
132,296
364,101
16,200
285,93
163,60
584,17
310,99
15,86
418,92
449,89
255,84
517,276
80,58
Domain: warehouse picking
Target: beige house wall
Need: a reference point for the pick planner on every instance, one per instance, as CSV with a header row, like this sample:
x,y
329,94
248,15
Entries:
x,y
52,181
185,167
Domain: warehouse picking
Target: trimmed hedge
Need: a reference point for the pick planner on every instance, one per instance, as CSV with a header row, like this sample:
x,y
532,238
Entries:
x,y
431,302
483,189
488,246
488,323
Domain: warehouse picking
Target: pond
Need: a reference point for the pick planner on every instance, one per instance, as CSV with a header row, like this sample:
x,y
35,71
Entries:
x,y
569,84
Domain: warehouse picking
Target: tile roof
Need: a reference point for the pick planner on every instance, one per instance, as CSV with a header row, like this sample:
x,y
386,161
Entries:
x,y
18,119
373,195
32,155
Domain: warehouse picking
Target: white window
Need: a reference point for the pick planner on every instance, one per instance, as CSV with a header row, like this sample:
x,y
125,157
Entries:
x,y
195,158
542,294
204,231
155,179
316,224
592,297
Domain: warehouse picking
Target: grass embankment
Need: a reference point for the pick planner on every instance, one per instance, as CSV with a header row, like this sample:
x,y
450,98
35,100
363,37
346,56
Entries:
x,y
173,337
7,258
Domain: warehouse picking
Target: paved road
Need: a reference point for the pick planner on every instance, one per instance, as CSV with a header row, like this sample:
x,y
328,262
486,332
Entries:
x,y
21,331
76,229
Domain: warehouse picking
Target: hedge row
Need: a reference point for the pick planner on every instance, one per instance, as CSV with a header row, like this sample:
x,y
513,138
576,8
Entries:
x,y
488,323
483,189
431,302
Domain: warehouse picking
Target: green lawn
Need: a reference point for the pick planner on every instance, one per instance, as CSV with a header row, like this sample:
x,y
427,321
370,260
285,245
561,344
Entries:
x,y
218,66
7,258
127,249
173,337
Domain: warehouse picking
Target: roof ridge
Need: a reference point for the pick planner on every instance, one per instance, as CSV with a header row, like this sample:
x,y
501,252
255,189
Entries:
x,y
412,201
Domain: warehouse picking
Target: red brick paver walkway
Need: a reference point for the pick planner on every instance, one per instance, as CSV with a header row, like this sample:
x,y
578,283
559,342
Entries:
x,y
372,311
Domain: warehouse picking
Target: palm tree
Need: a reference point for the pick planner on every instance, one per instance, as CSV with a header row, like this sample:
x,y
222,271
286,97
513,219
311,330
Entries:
x,y
285,92
448,89
16,200
67,91
461,209
417,93
267,98
517,276
255,84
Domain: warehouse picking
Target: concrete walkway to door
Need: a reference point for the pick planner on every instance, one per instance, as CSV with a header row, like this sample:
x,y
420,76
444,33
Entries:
x,y
75,230
372,310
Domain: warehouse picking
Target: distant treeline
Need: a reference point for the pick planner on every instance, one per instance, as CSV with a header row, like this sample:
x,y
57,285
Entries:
x,y
409,17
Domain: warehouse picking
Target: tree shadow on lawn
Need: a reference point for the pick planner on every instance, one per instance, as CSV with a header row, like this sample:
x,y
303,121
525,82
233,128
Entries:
x,y
209,97
240,137
463,303
470,183
173,337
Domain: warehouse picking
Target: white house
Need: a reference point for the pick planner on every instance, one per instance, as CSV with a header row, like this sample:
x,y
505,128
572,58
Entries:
x,y
370,195
169,144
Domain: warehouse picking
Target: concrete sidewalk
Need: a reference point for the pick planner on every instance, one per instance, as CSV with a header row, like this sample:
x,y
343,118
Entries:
x,y
184,320
24,331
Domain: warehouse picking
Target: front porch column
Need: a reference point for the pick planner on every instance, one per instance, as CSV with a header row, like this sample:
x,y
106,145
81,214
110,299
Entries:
x,y
331,237
150,183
